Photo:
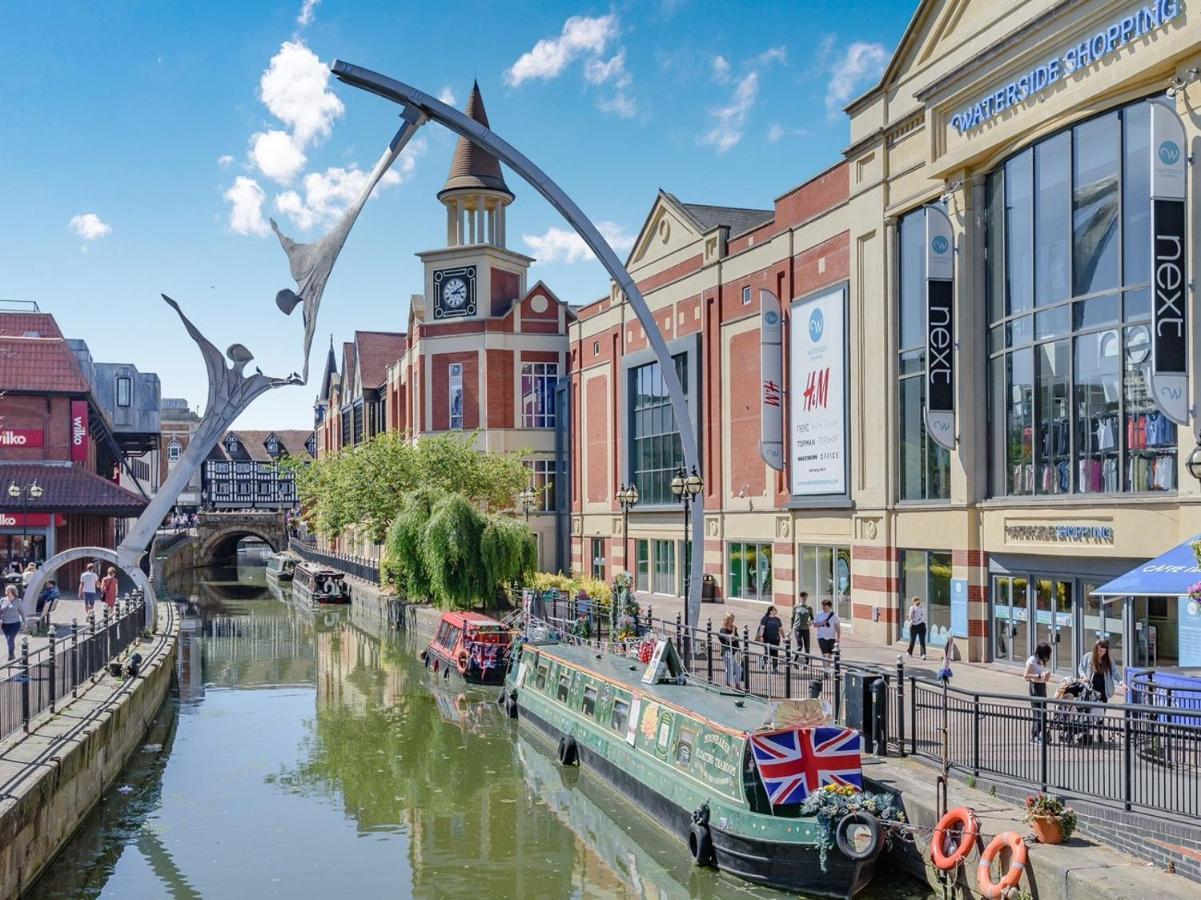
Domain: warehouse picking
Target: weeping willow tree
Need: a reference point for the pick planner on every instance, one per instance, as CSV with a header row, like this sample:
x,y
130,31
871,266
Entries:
x,y
442,547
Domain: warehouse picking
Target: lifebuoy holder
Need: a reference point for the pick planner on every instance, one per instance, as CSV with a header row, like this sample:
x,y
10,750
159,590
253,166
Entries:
x,y
1017,865
959,821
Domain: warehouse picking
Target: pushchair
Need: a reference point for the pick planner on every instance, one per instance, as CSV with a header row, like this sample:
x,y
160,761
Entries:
x,y
1076,724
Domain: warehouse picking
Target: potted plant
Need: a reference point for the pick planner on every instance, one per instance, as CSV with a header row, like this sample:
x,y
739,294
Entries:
x,y
1053,821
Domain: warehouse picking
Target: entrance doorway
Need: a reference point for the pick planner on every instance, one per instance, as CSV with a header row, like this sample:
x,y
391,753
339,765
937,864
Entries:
x,y
1030,610
1011,618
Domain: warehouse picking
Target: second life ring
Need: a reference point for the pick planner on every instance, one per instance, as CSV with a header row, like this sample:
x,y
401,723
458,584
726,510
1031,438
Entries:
x,y
327,586
954,837
461,661
1017,865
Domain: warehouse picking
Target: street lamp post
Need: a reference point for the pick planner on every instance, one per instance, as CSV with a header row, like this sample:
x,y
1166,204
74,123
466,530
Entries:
x,y
527,499
24,494
627,496
686,487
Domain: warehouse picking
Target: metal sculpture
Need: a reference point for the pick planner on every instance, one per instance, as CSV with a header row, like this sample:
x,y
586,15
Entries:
x,y
230,390
417,105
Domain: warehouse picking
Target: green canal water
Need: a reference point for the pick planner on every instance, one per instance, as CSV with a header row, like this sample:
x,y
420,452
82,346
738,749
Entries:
x,y
302,757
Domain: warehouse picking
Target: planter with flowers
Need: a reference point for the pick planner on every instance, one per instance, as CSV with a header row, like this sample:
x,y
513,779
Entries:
x,y
1053,821
834,801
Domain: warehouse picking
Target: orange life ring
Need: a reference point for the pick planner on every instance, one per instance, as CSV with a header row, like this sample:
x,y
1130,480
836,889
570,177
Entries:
x,y
461,661
1017,865
964,821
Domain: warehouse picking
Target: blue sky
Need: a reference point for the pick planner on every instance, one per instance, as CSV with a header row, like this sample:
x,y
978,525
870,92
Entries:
x,y
146,143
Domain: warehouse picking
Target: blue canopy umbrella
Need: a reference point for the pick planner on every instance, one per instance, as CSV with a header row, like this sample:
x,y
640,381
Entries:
x,y
1168,575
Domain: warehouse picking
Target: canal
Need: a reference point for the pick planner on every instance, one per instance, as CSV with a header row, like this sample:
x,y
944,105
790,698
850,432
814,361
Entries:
x,y
302,757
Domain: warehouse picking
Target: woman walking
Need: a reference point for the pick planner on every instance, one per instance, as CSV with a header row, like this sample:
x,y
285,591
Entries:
x,y
917,625
727,637
1037,675
1101,673
769,632
10,618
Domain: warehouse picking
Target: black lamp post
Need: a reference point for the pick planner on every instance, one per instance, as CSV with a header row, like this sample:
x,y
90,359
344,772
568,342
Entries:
x,y
527,499
685,487
24,494
627,496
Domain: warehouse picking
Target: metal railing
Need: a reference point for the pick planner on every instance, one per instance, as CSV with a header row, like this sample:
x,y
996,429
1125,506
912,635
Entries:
x,y
35,681
356,566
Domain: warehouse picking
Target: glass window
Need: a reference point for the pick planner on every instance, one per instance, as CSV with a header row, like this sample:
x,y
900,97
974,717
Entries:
x,y
1068,405
642,562
124,391
589,706
598,558
927,574
684,747
564,687
542,478
655,449
621,715
924,466
746,295
538,394
665,566
540,681
748,571
826,575
174,449
455,397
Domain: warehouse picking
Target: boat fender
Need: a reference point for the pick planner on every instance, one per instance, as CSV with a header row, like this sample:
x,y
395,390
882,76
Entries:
x,y
852,848
954,837
501,698
511,707
1017,865
700,844
328,587
461,662
569,753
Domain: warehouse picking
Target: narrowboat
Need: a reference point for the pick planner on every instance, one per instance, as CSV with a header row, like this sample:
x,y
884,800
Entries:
x,y
281,566
690,756
319,584
470,646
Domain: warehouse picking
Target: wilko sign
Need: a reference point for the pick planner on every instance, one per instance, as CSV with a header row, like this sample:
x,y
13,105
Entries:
x,y
20,437
79,431
27,520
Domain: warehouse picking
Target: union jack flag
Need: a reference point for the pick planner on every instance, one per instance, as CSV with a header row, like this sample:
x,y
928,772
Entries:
x,y
795,762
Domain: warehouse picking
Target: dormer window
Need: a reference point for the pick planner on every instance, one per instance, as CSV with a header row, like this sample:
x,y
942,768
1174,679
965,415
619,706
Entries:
x,y
231,445
273,446
174,449
124,391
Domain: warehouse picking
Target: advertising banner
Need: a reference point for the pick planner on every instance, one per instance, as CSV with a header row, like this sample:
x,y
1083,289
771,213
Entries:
x,y
21,437
818,440
1168,377
28,520
940,328
79,431
771,371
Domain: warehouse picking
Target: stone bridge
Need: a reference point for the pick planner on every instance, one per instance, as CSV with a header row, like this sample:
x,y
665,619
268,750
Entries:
x,y
214,540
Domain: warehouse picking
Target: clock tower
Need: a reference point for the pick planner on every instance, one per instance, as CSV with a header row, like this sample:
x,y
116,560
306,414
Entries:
x,y
475,276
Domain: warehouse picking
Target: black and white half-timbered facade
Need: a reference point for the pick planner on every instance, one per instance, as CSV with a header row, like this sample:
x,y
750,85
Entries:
x,y
246,471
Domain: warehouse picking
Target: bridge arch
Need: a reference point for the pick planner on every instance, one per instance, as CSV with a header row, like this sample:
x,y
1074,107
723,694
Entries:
x,y
223,545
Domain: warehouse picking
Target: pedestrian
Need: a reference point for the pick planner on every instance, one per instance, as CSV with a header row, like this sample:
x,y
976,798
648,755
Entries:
x,y
87,587
10,618
829,630
802,618
1037,675
769,633
108,588
31,571
727,637
917,625
1100,672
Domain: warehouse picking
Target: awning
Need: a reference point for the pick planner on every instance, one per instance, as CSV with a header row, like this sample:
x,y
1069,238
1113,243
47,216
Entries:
x,y
66,489
1168,575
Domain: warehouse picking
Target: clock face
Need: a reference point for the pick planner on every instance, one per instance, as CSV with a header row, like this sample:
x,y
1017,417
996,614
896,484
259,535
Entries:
x,y
454,292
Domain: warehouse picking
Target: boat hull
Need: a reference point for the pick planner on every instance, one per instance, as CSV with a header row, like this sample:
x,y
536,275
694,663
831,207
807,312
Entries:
x,y
786,866
301,590
279,576
494,676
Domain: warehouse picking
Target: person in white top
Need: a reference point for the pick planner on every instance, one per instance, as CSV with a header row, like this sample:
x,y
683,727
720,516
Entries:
x,y
87,587
917,625
1037,675
829,629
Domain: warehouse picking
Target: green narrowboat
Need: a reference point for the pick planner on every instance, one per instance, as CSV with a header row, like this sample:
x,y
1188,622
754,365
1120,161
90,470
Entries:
x,y
680,752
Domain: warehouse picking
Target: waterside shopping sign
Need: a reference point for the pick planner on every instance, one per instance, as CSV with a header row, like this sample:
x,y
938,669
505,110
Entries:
x,y
1076,57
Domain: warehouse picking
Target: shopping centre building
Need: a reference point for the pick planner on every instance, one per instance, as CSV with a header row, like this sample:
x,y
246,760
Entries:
x,y
1040,132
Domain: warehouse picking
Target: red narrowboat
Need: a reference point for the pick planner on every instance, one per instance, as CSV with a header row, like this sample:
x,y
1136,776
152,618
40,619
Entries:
x,y
472,646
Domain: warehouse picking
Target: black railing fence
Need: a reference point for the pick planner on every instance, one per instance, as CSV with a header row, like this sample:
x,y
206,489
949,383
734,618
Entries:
x,y
36,681
364,569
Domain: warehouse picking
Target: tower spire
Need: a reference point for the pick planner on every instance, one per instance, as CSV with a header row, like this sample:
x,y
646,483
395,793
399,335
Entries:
x,y
475,194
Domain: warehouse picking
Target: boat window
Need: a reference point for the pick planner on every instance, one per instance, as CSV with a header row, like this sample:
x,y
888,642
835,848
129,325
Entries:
x,y
589,706
684,746
621,715
541,681
452,637
564,686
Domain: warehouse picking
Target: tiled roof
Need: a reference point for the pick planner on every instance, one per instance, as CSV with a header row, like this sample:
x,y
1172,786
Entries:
x,y
68,489
473,167
19,324
44,365
254,443
377,350
737,219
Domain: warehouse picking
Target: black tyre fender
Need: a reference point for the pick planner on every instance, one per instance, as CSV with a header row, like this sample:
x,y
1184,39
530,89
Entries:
x,y
511,707
700,844
569,752
501,697
842,839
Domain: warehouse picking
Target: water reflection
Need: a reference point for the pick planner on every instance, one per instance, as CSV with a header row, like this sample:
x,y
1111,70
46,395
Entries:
x,y
305,757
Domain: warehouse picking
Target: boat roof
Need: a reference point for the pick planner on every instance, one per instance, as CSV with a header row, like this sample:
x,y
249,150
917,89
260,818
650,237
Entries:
x,y
733,712
319,569
472,619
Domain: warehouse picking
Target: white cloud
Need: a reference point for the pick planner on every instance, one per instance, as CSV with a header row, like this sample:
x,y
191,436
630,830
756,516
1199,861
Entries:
x,y
613,72
246,207
306,12
775,132
89,226
559,245
721,69
447,96
295,89
599,71
772,55
225,161
727,122
862,65
276,155
581,35
327,194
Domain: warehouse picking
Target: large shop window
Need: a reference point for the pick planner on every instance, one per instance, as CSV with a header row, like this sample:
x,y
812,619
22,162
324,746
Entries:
x,y
656,567
748,568
826,575
925,466
1069,301
538,394
656,451
927,574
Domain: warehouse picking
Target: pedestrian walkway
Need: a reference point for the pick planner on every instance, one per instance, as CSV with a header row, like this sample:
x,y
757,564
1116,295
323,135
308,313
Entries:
x,y
68,609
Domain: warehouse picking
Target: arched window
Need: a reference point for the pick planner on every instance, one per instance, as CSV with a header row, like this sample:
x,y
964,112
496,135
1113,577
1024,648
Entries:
x,y
174,449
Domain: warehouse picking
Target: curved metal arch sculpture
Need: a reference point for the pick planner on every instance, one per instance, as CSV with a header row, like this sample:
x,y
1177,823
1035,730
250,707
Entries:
x,y
418,106
52,565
